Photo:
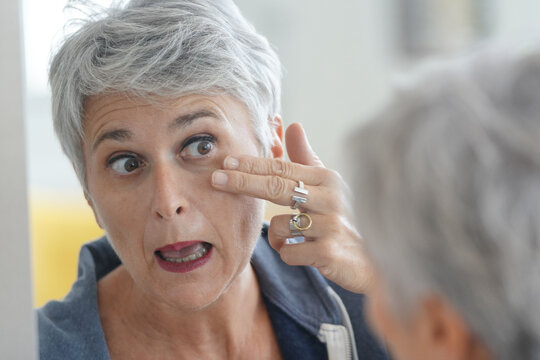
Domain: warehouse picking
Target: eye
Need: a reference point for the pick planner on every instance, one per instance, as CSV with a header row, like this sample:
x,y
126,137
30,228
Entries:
x,y
124,164
198,146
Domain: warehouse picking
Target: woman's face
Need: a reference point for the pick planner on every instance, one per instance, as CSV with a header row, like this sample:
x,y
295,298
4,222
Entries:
x,y
149,173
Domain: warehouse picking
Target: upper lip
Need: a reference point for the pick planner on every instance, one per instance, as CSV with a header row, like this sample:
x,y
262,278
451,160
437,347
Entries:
x,y
178,245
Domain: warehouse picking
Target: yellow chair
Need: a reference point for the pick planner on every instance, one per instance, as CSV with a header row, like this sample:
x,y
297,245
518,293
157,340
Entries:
x,y
60,224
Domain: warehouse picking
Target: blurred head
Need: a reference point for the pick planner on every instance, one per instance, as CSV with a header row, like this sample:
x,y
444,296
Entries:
x,y
163,49
148,100
448,200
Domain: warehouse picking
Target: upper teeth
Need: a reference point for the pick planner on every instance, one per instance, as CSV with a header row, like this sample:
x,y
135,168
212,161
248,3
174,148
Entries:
x,y
196,255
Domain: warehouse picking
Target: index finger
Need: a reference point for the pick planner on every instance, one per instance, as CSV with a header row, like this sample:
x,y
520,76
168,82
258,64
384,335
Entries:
x,y
277,190
265,166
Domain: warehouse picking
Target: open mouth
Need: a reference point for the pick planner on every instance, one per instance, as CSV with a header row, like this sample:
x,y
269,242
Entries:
x,y
184,256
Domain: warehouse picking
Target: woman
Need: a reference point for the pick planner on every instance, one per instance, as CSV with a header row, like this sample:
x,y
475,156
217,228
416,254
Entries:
x,y
167,110
448,189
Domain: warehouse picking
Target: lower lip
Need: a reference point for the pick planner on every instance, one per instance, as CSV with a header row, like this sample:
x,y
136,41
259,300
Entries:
x,y
184,267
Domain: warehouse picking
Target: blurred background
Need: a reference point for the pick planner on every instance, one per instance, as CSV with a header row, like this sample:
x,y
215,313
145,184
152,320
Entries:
x,y
340,58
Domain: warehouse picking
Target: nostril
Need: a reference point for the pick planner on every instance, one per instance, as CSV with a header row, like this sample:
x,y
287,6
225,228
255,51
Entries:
x,y
169,213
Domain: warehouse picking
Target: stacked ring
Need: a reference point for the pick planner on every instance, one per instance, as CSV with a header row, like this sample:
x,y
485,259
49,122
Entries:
x,y
294,224
299,199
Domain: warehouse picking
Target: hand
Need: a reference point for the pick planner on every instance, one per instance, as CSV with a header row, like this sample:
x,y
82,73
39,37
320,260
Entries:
x,y
332,244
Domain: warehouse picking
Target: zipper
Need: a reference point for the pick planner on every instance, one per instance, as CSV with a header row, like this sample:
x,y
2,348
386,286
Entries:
x,y
339,339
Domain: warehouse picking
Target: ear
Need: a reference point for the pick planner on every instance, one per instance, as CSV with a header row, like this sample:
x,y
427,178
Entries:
x,y
91,204
276,126
445,332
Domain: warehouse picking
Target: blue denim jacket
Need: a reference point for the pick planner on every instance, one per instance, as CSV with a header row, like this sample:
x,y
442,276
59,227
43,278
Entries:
x,y
310,319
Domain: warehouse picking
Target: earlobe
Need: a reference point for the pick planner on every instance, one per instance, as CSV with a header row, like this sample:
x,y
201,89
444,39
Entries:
x,y
91,204
276,126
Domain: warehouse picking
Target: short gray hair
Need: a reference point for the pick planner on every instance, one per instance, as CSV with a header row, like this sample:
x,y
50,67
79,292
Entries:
x,y
167,48
448,194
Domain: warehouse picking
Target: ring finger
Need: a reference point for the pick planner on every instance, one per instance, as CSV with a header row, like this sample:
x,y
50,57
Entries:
x,y
322,226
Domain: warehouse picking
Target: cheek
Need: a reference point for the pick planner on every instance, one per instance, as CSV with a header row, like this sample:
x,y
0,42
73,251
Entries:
x,y
236,217
123,217
237,222
250,222
119,211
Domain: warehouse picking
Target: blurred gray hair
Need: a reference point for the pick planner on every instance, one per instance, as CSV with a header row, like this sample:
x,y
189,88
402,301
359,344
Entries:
x,y
448,195
163,48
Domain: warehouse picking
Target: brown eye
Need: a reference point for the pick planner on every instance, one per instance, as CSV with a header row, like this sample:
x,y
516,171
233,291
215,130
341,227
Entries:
x,y
125,164
204,147
131,164
199,147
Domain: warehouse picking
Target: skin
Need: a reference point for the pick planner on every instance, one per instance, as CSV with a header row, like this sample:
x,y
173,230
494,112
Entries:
x,y
147,312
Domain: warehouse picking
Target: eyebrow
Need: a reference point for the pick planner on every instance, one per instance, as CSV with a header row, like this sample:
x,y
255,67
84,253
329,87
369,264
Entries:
x,y
185,120
117,135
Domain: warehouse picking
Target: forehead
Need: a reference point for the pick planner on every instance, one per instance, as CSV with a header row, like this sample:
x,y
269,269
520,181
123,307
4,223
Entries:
x,y
107,112
103,107
123,119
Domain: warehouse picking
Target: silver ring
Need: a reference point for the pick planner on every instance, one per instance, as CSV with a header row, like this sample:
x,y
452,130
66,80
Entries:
x,y
294,231
299,199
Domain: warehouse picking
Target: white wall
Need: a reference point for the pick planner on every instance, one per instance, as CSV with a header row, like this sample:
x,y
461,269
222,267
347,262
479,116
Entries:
x,y
17,330
517,18
341,58
335,56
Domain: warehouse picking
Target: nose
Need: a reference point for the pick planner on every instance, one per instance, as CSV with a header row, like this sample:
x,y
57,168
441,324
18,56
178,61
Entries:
x,y
168,200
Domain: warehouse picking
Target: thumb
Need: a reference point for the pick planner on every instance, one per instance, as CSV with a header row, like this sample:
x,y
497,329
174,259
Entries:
x,y
298,146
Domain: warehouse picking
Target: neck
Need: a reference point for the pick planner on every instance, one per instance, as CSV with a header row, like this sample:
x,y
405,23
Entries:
x,y
219,328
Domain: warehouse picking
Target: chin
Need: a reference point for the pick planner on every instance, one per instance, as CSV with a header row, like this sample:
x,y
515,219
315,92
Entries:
x,y
194,297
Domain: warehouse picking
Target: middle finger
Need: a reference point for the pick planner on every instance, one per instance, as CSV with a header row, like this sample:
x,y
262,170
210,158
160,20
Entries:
x,y
311,175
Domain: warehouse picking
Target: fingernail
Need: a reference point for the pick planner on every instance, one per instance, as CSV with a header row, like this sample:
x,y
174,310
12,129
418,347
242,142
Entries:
x,y
231,163
219,178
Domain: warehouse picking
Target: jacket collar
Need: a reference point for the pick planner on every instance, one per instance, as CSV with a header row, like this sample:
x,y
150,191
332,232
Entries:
x,y
299,291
